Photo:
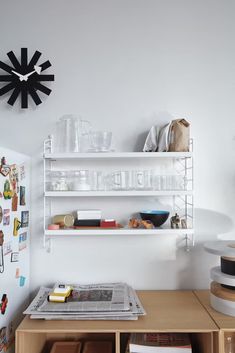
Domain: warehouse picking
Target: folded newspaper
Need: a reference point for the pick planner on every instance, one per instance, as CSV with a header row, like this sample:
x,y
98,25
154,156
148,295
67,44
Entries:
x,y
105,301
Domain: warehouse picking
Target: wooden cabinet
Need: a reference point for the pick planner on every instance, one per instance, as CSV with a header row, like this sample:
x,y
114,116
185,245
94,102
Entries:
x,y
167,311
225,323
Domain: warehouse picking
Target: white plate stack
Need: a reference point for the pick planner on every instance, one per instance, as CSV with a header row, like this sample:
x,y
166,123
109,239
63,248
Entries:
x,y
222,295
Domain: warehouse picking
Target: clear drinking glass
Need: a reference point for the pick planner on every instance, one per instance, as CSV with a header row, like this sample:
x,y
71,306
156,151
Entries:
x,y
118,180
81,180
101,140
139,179
97,180
148,179
166,182
157,182
143,179
130,180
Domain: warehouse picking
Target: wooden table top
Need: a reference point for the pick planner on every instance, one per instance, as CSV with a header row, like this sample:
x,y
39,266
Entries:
x,y
224,322
169,311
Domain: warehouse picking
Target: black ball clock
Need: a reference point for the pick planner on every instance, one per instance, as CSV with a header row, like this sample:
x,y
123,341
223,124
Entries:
x,y
24,77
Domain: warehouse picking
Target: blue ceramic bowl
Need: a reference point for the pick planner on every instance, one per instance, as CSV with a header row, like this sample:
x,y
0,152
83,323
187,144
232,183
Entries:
x,y
158,218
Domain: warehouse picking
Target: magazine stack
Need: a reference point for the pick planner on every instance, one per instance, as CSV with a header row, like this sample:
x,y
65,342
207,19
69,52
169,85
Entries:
x,y
105,301
159,342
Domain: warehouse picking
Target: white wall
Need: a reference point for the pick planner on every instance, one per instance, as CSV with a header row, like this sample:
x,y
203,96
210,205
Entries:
x,y
125,65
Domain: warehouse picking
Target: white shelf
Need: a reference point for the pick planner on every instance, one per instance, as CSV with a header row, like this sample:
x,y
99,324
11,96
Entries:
x,y
116,193
120,231
116,155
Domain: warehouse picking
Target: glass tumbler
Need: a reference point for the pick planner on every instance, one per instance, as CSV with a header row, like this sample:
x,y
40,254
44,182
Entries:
x,y
97,180
118,180
130,180
139,179
81,180
101,140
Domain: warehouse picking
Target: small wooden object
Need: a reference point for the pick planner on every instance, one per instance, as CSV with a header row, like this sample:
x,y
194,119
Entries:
x,y
138,223
98,347
66,347
175,221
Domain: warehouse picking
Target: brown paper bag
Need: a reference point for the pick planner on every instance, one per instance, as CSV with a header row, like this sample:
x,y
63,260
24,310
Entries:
x,y
179,136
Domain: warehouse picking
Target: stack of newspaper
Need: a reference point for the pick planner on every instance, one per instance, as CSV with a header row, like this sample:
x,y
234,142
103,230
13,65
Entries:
x,y
105,301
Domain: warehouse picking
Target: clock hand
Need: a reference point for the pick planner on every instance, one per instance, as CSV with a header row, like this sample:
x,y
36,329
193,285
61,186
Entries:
x,y
37,69
19,75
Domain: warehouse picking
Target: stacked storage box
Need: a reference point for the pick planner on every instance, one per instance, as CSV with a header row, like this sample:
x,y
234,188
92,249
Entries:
x,y
88,218
86,347
222,295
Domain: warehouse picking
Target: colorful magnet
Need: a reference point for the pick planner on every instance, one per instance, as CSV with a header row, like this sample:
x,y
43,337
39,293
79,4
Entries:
x,y
22,241
17,225
1,214
7,248
1,253
6,217
3,304
24,219
22,171
15,257
1,238
14,178
17,275
22,196
14,203
22,281
4,168
7,193
3,339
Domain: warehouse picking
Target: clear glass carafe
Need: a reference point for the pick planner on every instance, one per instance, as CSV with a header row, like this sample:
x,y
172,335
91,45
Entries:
x,y
70,132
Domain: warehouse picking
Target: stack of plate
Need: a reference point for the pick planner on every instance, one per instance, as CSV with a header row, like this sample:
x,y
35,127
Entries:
x,y
222,295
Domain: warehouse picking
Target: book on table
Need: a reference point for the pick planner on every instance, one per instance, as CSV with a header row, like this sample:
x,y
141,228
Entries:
x,y
160,343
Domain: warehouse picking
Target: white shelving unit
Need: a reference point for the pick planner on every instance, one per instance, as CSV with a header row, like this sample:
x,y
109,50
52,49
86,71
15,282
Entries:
x,y
116,155
184,160
107,193
119,231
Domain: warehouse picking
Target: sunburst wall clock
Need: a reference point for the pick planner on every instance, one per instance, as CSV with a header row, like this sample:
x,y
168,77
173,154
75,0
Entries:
x,y
24,78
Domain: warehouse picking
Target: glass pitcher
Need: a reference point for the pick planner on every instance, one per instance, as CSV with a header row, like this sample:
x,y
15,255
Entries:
x,y
70,131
